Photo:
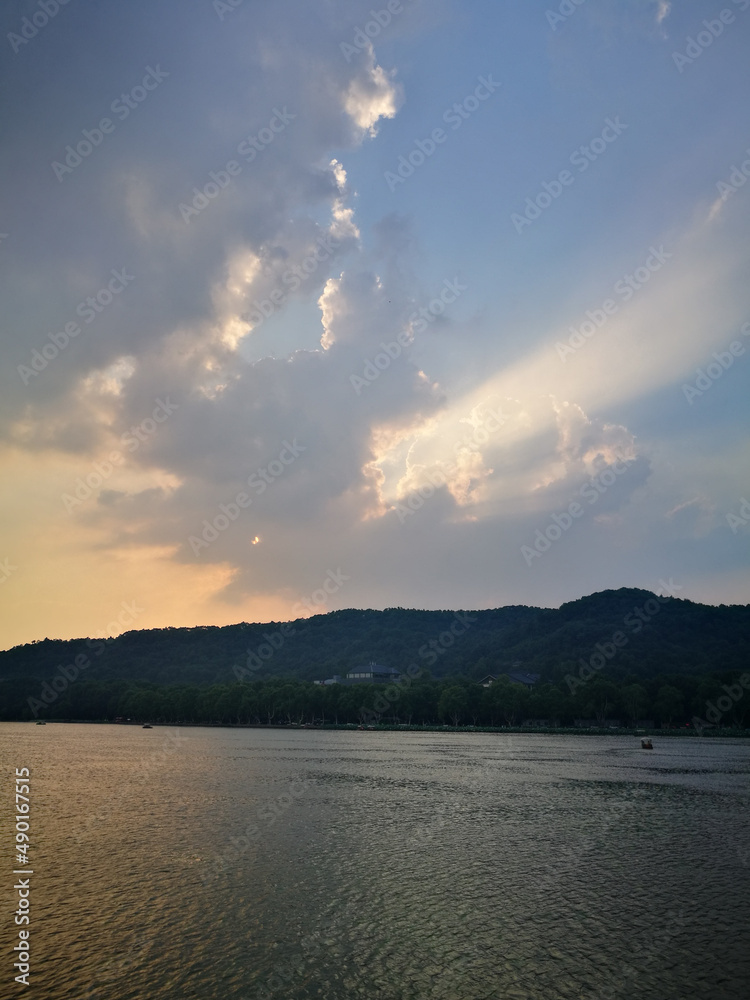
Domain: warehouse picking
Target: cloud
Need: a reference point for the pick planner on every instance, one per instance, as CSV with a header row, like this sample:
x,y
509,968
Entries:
x,y
664,8
364,455
262,291
195,283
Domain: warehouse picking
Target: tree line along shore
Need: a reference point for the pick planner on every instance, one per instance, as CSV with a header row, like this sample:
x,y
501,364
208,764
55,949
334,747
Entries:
x,y
708,702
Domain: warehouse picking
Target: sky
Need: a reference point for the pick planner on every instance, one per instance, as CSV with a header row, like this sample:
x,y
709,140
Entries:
x,y
316,304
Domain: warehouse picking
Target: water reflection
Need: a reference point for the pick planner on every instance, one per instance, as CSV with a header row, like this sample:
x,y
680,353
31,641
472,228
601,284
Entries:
x,y
243,863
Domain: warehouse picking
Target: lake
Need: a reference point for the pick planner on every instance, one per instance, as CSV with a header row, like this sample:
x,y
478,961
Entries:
x,y
221,864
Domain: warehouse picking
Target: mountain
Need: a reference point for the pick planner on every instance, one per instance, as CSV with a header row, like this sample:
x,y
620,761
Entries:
x,y
656,636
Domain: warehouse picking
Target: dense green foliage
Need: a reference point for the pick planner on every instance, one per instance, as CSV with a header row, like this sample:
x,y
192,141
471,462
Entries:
x,y
616,655
679,637
667,700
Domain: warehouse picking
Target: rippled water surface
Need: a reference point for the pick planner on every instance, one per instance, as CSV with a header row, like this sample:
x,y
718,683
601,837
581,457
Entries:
x,y
224,864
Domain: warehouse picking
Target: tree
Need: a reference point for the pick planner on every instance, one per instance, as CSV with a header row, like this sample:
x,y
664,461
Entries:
x,y
475,702
453,704
350,704
634,699
249,706
480,669
424,702
546,702
510,700
600,698
228,705
668,703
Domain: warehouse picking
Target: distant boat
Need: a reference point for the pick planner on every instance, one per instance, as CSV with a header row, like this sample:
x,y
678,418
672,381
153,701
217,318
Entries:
x,y
646,744
146,726
41,723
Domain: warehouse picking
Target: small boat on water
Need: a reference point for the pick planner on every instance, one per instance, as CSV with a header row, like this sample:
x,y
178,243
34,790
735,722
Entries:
x,y
41,723
146,726
646,744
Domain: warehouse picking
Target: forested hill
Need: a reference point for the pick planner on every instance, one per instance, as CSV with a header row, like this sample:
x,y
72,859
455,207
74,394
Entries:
x,y
666,636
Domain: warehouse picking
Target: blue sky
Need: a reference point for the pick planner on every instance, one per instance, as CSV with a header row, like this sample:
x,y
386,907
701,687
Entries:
x,y
427,471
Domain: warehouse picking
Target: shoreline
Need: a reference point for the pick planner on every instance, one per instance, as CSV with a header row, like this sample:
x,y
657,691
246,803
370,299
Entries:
x,y
720,732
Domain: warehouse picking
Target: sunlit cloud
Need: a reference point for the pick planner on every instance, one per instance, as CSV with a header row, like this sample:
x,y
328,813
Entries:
x,y
285,317
663,11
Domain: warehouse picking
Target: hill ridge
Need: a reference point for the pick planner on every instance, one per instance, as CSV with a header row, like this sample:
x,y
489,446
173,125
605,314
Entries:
x,y
676,636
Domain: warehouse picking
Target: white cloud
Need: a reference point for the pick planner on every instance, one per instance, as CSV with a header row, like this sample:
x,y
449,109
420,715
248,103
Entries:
x,y
211,293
